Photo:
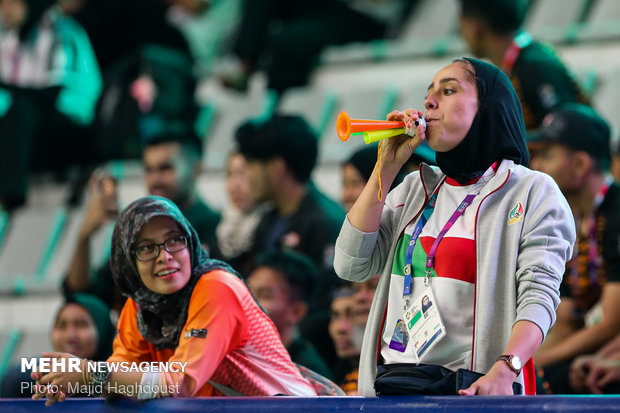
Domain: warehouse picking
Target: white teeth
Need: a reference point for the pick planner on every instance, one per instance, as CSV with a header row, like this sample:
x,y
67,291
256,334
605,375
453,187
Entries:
x,y
164,273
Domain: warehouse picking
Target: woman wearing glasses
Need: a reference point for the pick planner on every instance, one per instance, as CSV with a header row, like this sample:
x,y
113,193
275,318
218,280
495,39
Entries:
x,y
183,307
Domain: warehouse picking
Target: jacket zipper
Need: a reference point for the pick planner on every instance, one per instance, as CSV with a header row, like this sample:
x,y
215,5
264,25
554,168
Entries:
x,y
473,335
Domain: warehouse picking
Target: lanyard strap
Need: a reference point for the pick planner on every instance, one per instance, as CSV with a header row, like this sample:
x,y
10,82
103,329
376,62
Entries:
x,y
521,41
430,260
428,210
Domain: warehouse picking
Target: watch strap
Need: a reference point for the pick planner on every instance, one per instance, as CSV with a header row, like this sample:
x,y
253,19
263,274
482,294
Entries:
x,y
507,358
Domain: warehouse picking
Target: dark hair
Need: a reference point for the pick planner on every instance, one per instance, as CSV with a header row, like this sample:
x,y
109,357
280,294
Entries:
x,y
286,136
189,144
469,68
344,290
298,270
364,160
502,16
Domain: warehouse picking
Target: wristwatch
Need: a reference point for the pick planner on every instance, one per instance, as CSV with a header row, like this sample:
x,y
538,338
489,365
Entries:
x,y
513,362
101,375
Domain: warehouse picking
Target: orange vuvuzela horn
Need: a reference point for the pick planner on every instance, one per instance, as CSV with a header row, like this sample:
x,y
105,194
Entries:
x,y
346,126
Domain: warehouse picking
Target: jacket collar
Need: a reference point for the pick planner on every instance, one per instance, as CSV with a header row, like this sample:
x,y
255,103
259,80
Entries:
x,y
432,176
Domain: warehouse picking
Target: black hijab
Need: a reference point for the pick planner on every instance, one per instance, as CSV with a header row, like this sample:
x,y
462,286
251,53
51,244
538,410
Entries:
x,y
497,132
161,317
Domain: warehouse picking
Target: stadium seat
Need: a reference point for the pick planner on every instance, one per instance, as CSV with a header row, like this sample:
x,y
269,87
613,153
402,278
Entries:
x,y
607,97
602,22
56,269
413,93
31,240
430,29
31,344
231,109
315,105
9,340
431,21
555,20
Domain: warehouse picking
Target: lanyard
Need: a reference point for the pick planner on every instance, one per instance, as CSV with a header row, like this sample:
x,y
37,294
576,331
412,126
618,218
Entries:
x,y
430,260
520,42
428,210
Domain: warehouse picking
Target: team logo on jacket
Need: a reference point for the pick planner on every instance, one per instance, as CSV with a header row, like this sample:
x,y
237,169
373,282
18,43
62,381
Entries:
x,y
516,214
194,332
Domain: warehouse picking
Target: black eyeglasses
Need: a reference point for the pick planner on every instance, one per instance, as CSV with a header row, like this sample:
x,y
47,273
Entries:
x,y
148,252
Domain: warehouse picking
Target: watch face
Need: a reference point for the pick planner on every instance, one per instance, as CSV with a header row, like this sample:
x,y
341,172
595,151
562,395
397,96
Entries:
x,y
516,363
101,376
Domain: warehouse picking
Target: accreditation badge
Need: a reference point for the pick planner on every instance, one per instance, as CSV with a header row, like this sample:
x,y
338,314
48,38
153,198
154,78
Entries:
x,y
423,323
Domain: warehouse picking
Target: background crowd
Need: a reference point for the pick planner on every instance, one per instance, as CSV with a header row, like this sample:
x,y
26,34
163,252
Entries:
x,y
77,99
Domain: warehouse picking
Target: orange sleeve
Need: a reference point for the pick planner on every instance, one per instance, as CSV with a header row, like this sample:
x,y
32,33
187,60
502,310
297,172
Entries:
x,y
129,345
215,326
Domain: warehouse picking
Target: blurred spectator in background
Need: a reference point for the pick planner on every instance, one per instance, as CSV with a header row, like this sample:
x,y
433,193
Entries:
x,y
135,23
82,327
287,37
208,26
356,171
171,168
364,293
492,29
576,155
148,74
598,373
146,94
49,85
172,165
341,326
235,231
281,153
281,282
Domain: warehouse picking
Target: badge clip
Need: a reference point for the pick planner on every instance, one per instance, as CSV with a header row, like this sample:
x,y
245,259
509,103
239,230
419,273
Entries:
x,y
427,278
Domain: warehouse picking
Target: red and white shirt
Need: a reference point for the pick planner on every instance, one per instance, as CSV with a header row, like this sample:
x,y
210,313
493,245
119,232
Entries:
x,y
452,279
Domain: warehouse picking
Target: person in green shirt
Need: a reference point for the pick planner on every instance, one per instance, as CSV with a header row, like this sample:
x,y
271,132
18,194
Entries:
x,y
492,29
